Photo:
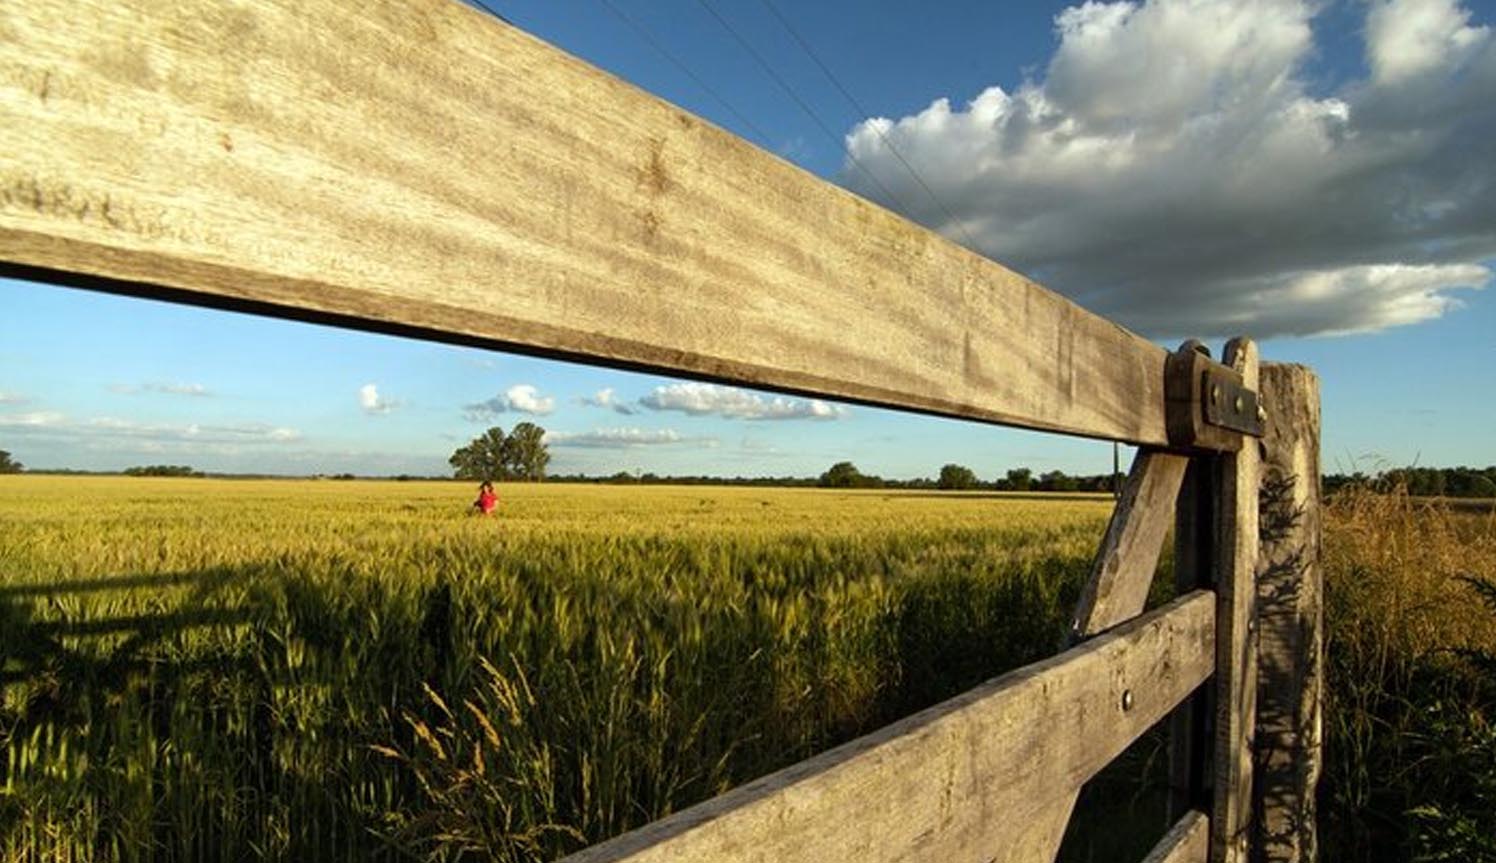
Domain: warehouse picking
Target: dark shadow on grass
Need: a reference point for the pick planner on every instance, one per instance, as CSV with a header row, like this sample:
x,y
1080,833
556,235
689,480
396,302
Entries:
x,y
176,732
10,592
68,654
1123,811
1024,496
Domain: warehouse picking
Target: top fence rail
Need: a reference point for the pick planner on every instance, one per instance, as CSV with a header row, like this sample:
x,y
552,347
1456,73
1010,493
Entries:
x,y
415,165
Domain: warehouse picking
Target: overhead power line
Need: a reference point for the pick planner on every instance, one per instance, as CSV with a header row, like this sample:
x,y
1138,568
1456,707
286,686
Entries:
x,y
648,37
490,10
887,142
644,33
795,97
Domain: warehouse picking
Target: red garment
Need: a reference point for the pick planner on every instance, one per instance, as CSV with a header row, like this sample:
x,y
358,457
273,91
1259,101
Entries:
x,y
487,501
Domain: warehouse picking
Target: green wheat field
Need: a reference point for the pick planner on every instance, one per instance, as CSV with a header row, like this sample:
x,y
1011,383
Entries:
x,y
199,669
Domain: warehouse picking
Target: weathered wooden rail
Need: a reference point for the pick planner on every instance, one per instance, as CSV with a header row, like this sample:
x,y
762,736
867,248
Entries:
x,y
414,166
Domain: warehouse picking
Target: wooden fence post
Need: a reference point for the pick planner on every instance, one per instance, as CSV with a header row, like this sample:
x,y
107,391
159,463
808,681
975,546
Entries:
x,y
1290,593
1234,565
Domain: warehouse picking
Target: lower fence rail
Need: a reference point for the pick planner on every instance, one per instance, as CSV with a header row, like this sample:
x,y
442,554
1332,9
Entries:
x,y
990,775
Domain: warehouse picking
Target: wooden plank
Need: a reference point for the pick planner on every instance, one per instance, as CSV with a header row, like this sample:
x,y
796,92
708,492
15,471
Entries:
x,y
1188,841
1235,559
1123,570
1047,835
990,775
417,166
1189,764
1290,595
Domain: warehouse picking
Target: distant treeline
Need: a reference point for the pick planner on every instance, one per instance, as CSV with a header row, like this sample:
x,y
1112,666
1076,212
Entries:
x,y
162,470
1453,482
1422,481
952,477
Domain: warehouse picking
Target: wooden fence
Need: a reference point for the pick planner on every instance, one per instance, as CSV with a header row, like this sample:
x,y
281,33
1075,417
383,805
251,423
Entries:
x,y
414,166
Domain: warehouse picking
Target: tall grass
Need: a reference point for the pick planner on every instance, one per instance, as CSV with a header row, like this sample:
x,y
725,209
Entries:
x,y
201,670
213,670
1410,771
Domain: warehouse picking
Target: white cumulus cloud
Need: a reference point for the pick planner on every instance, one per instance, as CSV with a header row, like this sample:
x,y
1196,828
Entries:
x,y
242,433
607,399
521,398
31,419
104,431
1409,38
10,398
1175,168
624,438
371,402
178,389
528,400
162,388
699,399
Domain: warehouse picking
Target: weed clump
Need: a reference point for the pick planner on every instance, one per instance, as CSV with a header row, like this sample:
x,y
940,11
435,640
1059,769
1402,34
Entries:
x,y
1410,718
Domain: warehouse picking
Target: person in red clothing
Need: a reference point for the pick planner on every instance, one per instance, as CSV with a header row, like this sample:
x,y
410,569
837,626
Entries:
x,y
486,501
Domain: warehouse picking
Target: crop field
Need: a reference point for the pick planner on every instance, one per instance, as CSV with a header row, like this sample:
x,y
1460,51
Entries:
x,y
200,669
219,669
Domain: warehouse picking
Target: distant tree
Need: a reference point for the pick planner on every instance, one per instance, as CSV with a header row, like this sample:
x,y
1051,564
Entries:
x,y
525,452
957,477
8,464
161,470
1335,482
1425,481
482,458
844,474
1056,480
519,455
840,475
1020,479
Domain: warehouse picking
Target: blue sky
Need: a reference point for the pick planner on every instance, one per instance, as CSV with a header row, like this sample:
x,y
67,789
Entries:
x,y
1260,181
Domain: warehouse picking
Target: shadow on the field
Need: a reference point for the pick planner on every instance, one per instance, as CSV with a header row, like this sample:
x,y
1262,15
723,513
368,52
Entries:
x,y
1123,810
954,631
48,642
1025,496
95,585
148,701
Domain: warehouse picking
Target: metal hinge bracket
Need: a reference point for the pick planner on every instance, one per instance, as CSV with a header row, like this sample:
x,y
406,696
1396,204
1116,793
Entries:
x,y
1207,404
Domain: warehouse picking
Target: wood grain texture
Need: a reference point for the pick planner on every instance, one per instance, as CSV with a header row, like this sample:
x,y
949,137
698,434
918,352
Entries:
x,y
990,775
1290,596
1122,572
418,164
1188,841
1235,565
